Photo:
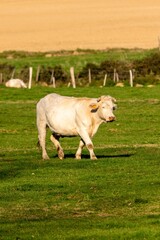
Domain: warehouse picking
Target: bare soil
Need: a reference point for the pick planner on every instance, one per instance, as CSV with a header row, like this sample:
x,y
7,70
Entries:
x,y
45,25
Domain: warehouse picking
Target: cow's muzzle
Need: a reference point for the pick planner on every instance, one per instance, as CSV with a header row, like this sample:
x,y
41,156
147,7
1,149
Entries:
x,y
111,119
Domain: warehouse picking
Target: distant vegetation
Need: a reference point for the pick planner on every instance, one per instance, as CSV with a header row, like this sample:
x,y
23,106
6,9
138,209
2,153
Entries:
x,y
144,64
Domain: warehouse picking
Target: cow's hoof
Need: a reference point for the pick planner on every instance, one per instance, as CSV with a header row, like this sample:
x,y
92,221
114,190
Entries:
x,y
78,157
61,154
94,158
46,157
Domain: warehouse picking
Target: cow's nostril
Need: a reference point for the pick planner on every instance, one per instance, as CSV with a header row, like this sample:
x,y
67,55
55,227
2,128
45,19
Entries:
x,y
111,119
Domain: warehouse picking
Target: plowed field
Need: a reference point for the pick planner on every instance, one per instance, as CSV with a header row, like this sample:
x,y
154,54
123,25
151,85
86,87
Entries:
x,y
44,25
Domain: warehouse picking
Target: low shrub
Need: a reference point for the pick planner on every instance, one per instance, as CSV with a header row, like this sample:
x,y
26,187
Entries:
x,y
6,70
146,70
46,74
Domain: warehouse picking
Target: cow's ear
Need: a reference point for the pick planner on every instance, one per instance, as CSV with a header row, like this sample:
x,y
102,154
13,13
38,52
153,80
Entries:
x,y
107,98
111,98
114,100
93,106
100,98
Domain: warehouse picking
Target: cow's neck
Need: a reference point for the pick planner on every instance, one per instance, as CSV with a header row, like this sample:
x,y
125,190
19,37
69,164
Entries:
x,y
96,122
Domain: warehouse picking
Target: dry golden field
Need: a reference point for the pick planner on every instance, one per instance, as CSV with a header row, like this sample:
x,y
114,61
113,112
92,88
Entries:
x,y
44,25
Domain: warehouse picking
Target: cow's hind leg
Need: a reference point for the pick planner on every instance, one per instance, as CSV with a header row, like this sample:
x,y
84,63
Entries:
x,y
55,140
79,150
42,140
41,126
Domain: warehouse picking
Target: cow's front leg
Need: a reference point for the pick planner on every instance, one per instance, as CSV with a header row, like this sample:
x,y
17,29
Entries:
x,y
88,142
90,149
55,140
79,150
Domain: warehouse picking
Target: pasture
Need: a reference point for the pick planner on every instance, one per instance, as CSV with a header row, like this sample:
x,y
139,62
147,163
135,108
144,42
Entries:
x,y
114,197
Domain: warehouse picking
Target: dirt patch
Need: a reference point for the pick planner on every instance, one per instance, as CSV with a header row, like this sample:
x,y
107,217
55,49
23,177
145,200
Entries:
x,y
44,25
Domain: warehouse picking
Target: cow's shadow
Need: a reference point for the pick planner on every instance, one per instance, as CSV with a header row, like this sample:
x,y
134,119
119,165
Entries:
x,y
99,156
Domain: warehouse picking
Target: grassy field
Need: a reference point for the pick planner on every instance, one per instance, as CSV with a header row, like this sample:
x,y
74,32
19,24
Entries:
x,y
115,197
69,59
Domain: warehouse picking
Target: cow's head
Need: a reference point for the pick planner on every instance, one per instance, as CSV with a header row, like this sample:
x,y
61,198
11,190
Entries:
x,y
104,106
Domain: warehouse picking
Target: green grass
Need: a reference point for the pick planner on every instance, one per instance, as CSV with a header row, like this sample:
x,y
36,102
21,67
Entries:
x,y
69,59
115,197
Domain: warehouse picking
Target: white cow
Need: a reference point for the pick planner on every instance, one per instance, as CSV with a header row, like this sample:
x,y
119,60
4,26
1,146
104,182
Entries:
x,y
15,83
70,116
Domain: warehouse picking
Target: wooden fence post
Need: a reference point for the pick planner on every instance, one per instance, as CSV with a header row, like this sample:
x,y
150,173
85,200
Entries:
x,y
30,77
117,77
52,75
114,75
37,74
13,72
1,78
89,76
69,84
131,78
72,77
54,82
105,79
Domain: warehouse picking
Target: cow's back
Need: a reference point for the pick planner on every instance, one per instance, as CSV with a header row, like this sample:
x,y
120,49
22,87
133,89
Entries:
x,y
63,114
55,101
